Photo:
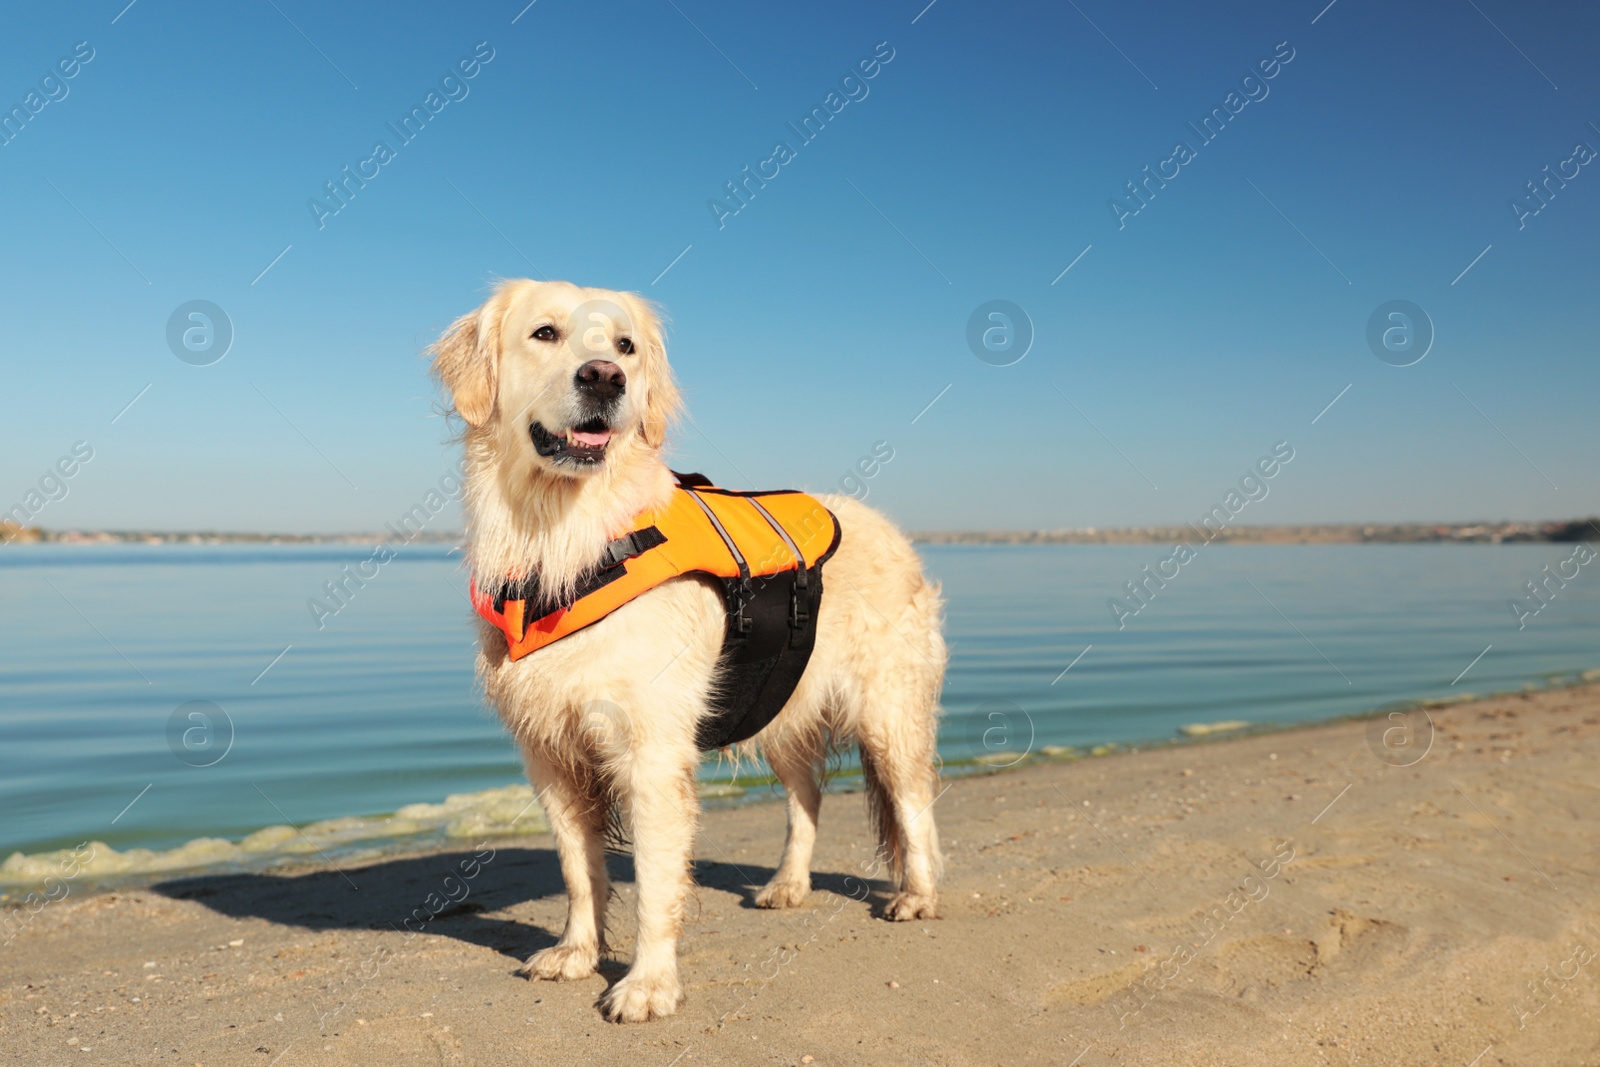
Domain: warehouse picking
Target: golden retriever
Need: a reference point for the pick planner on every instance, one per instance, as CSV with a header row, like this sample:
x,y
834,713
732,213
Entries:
x,y
606,717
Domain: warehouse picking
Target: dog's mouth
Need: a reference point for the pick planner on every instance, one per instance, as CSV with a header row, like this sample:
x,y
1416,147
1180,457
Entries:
x,y
583,444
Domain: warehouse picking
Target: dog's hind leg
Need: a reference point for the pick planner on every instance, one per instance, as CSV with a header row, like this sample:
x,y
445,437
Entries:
x,y
658,788
794,761
576,812
901,788
884,658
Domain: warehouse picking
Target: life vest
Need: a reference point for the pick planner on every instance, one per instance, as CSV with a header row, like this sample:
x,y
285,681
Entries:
x,y
765,548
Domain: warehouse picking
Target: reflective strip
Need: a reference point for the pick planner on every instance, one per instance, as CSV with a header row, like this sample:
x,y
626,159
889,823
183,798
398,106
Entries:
x,y
799,560
716,523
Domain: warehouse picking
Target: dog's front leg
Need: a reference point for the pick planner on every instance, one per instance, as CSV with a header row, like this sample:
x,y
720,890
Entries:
x,y
663,809
577,819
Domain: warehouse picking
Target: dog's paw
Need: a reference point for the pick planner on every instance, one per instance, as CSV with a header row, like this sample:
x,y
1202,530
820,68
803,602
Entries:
x,y
638,998
907,906
784,893
562,963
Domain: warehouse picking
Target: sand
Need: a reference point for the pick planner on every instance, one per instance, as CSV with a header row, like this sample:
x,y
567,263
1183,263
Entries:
x,y
1298,897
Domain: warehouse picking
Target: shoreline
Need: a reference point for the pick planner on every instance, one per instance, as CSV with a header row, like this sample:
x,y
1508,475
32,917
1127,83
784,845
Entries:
x,y
435,827
1304,896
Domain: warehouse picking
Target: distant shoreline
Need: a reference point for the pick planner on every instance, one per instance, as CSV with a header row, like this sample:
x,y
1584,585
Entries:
x,y
1567,530
1312,534
35,535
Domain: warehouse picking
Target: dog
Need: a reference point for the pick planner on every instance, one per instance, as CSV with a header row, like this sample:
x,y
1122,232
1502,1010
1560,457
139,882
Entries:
x,y
566,398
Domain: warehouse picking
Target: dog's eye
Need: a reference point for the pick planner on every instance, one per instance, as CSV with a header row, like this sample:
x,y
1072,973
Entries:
x,y
625,346
546,333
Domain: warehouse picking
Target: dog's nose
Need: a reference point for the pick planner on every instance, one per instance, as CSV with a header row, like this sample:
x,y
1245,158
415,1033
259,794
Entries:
x,y
601,379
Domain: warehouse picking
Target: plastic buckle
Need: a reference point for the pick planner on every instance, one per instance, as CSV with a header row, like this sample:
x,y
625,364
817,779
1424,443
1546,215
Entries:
x,y
798,615
621,549
739,595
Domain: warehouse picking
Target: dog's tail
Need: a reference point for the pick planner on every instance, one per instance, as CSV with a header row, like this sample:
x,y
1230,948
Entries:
x,y
881,812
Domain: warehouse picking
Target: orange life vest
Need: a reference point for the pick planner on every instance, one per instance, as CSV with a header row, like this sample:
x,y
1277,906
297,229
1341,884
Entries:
x,y
767,550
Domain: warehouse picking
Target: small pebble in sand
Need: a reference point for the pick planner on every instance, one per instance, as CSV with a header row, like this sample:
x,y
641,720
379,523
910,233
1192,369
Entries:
x,y
149,965
1187,773
894,985
236,943
808,1059
1272,755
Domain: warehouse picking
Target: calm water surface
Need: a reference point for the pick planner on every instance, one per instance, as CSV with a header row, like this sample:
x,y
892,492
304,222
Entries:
x,y
377,709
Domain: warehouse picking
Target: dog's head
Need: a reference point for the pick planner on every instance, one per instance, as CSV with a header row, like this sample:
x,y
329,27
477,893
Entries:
x,y
567,378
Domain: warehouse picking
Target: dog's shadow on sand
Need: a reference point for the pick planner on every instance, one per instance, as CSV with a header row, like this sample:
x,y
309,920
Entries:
x,y
433,894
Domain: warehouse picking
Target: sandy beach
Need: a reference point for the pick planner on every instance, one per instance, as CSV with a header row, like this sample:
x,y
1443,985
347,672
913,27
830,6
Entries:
x,y
1322,895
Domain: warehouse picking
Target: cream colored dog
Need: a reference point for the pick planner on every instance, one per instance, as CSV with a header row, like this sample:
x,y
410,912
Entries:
x,y
557,465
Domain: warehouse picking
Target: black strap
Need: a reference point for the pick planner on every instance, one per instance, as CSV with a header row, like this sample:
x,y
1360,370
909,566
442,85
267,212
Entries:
x,y
761,668
636,543
610,567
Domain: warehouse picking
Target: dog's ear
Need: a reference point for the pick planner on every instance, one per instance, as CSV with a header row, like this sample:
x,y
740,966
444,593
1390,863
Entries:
x,y
466,360
662,402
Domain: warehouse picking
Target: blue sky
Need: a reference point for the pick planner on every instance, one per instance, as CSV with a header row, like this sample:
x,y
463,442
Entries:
x,y
828,313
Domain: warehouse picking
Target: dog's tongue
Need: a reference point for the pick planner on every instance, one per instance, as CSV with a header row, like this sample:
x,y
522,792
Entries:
x,y
590,440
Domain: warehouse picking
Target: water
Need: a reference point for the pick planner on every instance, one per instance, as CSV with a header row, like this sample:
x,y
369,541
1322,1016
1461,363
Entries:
x,y
376,710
